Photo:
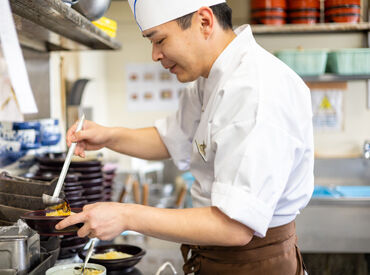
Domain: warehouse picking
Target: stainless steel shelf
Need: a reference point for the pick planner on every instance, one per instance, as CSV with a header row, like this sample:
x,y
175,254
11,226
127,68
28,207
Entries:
x,y
314,28
335,78
51,25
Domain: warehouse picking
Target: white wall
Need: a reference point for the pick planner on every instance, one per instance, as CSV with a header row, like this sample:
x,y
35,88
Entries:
x,y
106,94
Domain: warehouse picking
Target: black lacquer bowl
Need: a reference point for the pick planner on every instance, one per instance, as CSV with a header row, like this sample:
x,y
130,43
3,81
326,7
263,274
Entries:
x,y
124,265
45,225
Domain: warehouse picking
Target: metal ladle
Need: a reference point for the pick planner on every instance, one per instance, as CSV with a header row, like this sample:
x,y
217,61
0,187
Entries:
x,y
52,200
88,255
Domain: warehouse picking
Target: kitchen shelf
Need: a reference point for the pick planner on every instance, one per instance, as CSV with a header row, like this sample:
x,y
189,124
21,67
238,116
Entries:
x,y
335,78
314,28
51,25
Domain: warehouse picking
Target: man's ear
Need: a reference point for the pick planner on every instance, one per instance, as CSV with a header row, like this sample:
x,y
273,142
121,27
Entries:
x,y
206,21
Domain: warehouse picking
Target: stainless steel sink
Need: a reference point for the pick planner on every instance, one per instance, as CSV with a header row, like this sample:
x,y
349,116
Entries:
x,y
337,225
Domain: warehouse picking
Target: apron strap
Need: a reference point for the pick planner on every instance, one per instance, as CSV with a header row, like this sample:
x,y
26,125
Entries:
x,y
193,264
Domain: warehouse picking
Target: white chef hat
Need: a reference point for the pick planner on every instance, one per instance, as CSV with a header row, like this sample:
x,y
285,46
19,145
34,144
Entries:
x,y
152,13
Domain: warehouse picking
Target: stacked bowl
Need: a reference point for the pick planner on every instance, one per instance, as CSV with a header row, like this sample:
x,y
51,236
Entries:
x,y
84,184
109,173
304,11
84,181
269,12
343,11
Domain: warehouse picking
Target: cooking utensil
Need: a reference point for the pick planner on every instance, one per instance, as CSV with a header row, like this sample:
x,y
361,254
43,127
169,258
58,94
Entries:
x,y
88,255
93,10
145,199
123,265
136,191
180,198
47,199
45,225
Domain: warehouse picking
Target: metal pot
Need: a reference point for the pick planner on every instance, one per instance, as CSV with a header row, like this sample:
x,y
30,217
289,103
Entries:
x,y
93,10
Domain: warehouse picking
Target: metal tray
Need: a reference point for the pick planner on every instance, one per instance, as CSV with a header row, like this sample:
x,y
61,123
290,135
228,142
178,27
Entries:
x,y
19,249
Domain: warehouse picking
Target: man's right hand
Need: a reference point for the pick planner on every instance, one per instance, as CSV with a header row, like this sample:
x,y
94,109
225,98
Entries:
x,y
92,137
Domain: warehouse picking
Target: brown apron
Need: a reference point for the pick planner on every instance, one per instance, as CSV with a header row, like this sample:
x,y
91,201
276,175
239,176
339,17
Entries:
x,y
276,254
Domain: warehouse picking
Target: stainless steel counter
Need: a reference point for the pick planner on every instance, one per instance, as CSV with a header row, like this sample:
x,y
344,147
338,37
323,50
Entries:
x,y
335,226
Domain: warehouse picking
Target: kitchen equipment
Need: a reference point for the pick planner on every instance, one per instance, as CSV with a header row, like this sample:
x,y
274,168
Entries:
x,y
47,199
88,255
93,10
21,201
11,214
75,95
145,195
24,186
19,248
45,225
70,269
124,265
136,191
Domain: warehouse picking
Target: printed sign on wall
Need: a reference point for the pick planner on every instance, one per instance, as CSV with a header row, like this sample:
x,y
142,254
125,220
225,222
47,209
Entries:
x,y
152,88
327,105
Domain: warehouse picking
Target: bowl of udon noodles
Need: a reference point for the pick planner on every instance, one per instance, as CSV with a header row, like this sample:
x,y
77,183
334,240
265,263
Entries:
x,y
76,269
121,257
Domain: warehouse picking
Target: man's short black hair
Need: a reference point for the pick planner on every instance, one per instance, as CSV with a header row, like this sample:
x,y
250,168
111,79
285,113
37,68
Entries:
x,y
222,12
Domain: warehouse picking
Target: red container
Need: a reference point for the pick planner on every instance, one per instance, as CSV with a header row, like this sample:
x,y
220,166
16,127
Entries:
x,y
342,11
304,20
269,13
331,3
335,11
303,4
263,4
343,18
269,21
301,14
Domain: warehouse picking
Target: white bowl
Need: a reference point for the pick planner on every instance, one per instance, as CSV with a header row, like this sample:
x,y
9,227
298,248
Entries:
x,y
69,269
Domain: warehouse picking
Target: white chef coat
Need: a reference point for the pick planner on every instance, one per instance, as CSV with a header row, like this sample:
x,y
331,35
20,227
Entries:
x,y
246,134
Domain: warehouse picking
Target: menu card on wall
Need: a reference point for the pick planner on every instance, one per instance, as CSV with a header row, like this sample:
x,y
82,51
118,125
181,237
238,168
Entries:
x,y
152,88
14,59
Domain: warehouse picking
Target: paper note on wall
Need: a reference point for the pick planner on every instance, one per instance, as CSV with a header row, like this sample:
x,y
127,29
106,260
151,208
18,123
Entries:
x,y
14,59
327,109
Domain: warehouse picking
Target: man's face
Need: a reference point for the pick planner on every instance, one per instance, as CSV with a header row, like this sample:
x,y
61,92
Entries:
x,y
178,50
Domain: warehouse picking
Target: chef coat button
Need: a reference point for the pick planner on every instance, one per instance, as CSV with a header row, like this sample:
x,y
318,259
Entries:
x,y
202,110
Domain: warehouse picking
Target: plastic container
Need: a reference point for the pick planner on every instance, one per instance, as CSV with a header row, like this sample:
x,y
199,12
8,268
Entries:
x,y
354,191
349,61
324,192
263,4
305,62
268,12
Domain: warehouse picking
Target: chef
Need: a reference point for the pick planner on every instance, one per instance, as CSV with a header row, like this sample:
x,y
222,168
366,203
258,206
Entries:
x,y
243,128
